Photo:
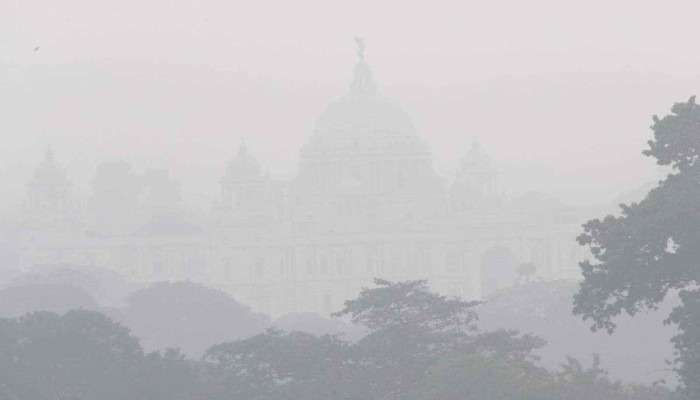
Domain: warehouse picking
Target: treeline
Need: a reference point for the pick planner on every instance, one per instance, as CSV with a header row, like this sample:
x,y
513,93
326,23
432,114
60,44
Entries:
x,y
186,315
419,345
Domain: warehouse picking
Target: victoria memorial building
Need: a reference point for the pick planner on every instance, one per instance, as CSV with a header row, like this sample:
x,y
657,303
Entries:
x,y
366,202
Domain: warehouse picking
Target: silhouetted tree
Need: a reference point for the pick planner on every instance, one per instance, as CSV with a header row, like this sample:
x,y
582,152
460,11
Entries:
x,y
477,376
318,325
653,247
492,365
410,328
108,287
80,355
574,381
188,316
20,299
279,365
169,375
422,346
409,304
544,309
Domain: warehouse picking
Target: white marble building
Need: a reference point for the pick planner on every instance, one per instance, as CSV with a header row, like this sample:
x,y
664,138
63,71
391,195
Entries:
x,y
366,203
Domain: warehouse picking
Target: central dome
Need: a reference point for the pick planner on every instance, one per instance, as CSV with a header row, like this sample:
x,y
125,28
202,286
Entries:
x,y
363,119
365,158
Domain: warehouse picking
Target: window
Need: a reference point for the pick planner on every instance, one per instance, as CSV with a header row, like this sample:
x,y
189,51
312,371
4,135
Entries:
x,y
323,270
259,269
310,266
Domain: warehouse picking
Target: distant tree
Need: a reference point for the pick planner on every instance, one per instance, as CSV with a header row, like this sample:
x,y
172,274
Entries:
x,y
80,355
544,309
653,247
575,382
410,328
279,365
188,316
108,287
525,273
477,376
170,375
426,346
318,325
409,304
20,299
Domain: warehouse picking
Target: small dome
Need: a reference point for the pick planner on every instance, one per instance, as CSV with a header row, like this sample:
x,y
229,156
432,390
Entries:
x,y
243,166
476,159
49,173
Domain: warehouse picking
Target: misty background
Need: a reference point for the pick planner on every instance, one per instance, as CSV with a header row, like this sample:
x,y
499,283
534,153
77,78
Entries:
x,y
178,85
150,171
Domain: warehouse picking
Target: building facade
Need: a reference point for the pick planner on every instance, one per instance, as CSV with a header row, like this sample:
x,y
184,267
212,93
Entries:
x,y
365,203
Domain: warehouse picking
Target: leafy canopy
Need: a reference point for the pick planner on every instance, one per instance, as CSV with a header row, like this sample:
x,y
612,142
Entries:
x,y
653,247
409,303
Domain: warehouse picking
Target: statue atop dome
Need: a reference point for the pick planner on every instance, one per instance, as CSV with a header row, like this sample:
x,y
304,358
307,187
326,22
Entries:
x,y
243,166
362,81
360,48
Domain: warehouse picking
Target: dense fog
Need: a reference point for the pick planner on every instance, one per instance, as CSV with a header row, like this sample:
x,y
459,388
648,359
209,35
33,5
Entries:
x,y
219,200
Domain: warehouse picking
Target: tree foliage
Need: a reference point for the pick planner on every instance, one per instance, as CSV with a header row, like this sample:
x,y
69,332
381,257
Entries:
x,y
433,353
20,299
280,365
75,356
653,247
189,316
82,355
410,303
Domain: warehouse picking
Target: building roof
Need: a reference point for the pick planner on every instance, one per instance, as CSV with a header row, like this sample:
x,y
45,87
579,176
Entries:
x,y
243,165
364,120
49,173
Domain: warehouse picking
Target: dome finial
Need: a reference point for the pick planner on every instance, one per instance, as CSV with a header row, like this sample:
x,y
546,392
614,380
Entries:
x,y
360,48
476,144
362,82
48,155
242,148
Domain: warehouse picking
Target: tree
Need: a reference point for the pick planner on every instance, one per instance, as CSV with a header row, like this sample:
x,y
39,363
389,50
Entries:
x,y
280,365
107,287
475,376
410,328
492,365
575,382
20,299
653,247
409,304
189,316
80,355
169,375
544,309
318,325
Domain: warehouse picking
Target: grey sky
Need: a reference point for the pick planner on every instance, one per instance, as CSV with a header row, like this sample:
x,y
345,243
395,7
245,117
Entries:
x,y
560,92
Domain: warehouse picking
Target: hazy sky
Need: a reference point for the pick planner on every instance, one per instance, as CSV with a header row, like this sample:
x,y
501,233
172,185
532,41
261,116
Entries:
x,y
561,93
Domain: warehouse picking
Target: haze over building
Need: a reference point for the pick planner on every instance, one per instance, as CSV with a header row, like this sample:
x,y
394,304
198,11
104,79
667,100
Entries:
x,y
366,202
